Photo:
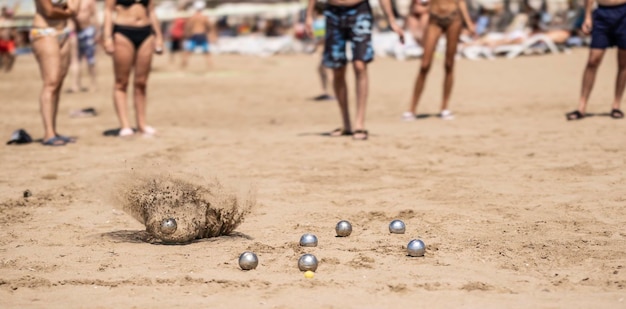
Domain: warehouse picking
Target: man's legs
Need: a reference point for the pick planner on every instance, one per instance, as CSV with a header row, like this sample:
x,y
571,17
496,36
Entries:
x,y
335,58
341,92
362,87
89,54
589,77
362,53
207,54
620,82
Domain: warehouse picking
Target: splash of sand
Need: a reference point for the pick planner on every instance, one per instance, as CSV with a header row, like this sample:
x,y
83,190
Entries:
x,y
201,209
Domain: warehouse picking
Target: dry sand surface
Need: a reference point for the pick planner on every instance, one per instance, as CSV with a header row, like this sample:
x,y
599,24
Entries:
x,y
517,207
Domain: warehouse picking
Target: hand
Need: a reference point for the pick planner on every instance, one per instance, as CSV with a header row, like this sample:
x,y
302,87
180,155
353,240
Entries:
x,y
471,28
394,27
308,26
109,47
158,46
587,25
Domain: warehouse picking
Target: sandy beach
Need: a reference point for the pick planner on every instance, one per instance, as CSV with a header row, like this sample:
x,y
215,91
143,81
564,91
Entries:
x,y
518,207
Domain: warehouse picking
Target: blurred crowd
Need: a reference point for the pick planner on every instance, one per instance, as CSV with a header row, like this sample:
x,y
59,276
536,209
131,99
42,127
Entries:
x,y
503,28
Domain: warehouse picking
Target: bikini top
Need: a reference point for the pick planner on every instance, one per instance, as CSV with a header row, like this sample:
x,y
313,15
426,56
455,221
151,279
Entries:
x,y
128,3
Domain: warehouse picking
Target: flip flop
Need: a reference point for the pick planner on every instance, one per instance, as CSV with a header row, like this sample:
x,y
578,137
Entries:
x,y
66,139
323,97
364,133
575,115
54,142
85,112
617,114
339,132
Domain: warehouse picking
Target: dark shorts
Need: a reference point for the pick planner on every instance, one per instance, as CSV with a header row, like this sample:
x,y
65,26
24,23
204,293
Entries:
x,y
609,27
176,45
345,24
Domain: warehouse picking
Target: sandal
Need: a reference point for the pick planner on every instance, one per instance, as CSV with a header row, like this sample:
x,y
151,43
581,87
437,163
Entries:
x,y
339,132
363,135
617,114
54,141
323,97
66,139
575,115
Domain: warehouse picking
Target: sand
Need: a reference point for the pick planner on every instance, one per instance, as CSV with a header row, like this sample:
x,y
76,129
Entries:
x,y
517,207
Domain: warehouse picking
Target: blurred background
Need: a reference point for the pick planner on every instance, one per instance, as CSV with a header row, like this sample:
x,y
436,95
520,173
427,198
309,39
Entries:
x,y
507,28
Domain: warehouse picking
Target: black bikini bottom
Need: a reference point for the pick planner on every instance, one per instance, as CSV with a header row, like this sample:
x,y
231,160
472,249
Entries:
x,y
135,34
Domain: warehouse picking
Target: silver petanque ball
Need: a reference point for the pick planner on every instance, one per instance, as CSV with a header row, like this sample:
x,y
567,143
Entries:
x,y
307,262
168,226
416,247
308,240
397,227
248,260
343,228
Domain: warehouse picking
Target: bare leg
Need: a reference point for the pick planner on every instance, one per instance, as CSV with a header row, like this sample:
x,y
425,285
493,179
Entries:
x,y
48,55
142,71
65,64
452,40
75,64
430,43
123,59
321,69
341,92
185,59
620,83
360,71
207,58
589,77
8,61
92,75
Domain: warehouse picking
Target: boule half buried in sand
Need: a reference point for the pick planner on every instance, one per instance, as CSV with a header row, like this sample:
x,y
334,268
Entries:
x,y
177,211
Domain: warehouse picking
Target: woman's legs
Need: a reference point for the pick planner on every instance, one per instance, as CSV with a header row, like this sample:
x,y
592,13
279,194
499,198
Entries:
x,y
65,56
123,59
452,39
75,64
142,70
430,43
48,55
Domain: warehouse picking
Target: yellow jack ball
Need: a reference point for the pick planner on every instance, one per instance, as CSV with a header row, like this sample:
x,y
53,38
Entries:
x,y
309,274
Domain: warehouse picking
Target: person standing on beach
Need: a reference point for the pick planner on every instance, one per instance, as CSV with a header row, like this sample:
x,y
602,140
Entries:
x,y
350,20
49,38
177,33
7,40
607,26
87,33
319,33
417,20
197,32
445,17
131,38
